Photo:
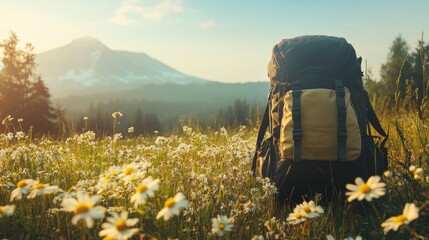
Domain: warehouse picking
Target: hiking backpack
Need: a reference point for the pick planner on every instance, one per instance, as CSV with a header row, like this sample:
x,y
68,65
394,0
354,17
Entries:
x,y
319,120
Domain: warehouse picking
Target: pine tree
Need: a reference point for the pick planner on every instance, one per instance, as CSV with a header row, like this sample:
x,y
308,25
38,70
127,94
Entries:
x,y
42,114
23,93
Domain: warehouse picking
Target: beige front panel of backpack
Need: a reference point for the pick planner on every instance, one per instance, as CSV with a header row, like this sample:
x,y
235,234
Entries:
x,y
319,126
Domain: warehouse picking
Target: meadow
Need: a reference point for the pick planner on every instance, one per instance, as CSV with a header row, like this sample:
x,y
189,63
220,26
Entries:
x,y
194,184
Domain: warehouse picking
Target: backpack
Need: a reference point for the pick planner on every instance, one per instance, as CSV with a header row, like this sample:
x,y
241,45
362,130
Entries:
x,y
319,120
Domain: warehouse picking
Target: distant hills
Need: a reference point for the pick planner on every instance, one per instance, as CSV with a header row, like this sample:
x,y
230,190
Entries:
x,y
86,74
207,97
87,66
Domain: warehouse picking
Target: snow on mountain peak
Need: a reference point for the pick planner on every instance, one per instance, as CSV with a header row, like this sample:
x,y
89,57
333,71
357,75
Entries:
x,y
86,65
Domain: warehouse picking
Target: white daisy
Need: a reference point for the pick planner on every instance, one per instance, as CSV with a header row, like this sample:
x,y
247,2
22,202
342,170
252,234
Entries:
x,y
330,237
249,206
222,224
296,217
118,226
373,188
83,208
173,206
7,210
144,190
41,189
418,173
309,209
410,213
22,187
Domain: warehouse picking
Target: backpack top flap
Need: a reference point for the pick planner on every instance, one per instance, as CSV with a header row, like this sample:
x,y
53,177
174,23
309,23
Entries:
x,y
305,56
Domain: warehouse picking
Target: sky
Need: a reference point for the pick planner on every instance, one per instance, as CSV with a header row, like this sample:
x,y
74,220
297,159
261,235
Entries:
x,y
221,40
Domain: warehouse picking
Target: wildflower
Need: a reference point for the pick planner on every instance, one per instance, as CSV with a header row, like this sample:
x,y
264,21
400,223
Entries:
x,y
249,206
83,207
330,237
117,115
20,135
418,173
85,118
256,237
130,129
20,119
7,210
388,173
352,238
269,189
296,217
173,206
22,187
8,118
410,213
118,226
41,189
222,224
373,188
309,209
144,190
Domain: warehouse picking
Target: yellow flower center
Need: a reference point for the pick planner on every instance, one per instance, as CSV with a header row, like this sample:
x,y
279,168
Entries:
x,y
307,210
128,171
142,188
221,226
400,219
364,188
121,225
1,210
21,184
169,203
298,215
109,238
82,208
39,186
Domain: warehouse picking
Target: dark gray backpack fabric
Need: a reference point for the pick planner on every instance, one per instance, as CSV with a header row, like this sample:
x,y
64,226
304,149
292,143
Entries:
x,y
316,62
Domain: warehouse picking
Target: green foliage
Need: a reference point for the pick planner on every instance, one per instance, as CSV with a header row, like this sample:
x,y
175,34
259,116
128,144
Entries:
x,y
404,79
211,170
23,94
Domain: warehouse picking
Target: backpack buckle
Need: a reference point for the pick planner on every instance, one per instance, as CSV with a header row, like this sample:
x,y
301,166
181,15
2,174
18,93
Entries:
x,y
297,134
342,135
340,91
342,113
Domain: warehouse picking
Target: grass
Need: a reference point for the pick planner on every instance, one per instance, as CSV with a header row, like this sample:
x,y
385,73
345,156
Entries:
x,y
212,170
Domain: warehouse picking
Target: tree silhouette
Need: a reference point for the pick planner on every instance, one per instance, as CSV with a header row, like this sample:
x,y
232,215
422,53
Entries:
x,y
396,70
23,93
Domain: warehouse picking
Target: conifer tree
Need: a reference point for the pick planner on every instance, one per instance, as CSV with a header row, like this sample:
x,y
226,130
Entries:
x,y
23,93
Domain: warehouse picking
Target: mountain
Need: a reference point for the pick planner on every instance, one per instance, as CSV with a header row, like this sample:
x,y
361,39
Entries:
x,y
87,66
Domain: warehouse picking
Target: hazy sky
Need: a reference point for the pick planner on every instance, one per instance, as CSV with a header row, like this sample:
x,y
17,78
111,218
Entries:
x,y
223,40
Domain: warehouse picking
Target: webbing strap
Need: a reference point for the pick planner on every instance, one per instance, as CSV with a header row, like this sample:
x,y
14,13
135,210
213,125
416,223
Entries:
x,y
261,134
296,118
342,115
373,119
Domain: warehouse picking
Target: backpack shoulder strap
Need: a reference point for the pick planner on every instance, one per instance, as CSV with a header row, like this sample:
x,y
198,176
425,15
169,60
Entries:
x,y
261,134
373,119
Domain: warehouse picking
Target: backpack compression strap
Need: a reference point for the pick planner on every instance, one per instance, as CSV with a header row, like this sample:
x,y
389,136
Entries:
x,y
342,115
296,118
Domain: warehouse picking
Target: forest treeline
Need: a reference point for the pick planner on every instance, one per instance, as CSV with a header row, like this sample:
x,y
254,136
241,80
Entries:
x,y
26,105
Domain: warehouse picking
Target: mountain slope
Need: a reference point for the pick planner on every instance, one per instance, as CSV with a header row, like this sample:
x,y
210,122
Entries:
x,y
87,66
210,96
